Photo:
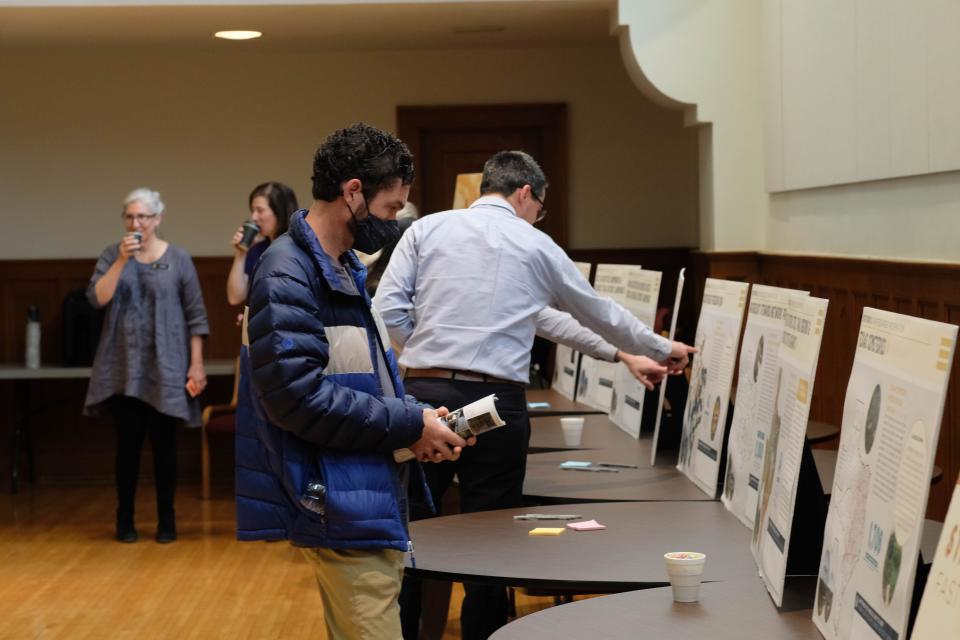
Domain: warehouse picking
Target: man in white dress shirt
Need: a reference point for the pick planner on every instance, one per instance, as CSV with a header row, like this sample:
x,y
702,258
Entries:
x,y
463,295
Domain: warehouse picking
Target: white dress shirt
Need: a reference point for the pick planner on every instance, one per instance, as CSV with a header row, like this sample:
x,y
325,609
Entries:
x,y
464,288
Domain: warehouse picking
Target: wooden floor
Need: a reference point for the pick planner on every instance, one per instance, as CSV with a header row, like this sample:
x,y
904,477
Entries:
x,y
63,576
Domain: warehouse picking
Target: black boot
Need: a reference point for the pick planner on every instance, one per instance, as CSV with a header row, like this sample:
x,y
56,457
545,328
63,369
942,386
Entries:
x,y
166,526
126,532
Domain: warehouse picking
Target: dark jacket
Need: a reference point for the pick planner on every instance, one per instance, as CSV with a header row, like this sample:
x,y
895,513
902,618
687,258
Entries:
x,y
311,408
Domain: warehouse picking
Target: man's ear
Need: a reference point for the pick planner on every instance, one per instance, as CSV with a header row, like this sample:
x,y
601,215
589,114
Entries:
x,y
353,185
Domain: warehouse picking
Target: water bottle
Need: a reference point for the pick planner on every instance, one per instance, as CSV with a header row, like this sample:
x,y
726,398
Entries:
x,y
33,337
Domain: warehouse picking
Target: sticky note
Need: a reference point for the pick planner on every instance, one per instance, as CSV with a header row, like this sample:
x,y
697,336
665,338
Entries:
x,y
588,525
538,405
547,531
574,464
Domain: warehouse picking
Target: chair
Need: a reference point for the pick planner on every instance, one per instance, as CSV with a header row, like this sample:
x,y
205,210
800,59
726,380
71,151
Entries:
x,y
217,419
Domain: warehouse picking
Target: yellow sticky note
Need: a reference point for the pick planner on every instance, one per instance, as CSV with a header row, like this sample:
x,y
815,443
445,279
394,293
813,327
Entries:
x,y
547,531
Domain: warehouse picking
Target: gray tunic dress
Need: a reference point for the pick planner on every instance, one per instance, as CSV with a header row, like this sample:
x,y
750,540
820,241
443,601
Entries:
x,y
144,349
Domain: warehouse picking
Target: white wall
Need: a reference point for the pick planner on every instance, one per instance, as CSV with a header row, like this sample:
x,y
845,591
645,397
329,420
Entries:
x,y
709,54
862,90
910,218
79,131
720,62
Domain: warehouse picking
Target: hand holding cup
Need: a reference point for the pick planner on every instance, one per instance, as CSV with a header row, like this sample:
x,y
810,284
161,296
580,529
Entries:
x,y
247,234
131,244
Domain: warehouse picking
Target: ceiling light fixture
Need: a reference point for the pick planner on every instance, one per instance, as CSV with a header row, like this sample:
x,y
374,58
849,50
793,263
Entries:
x,y
237,35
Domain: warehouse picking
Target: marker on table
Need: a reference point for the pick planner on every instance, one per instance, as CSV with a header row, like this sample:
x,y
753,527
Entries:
x,y
547,516
615,465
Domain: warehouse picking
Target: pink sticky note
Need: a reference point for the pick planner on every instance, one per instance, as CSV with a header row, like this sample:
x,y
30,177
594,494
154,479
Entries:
x,y
589,525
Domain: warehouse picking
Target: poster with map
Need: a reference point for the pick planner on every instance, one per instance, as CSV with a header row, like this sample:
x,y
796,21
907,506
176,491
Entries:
x,y
626,406
566,361
939,615
891,423
705,415
595,385
756,395
799,351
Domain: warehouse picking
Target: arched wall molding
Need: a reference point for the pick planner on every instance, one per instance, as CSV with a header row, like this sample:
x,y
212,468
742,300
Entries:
x,y
706,58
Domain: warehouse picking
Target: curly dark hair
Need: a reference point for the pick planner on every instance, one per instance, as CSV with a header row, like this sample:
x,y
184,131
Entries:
x,y
282,201
374,157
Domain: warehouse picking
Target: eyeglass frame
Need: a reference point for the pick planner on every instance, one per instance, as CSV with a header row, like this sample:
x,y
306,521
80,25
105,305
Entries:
x,y
137,217
543,208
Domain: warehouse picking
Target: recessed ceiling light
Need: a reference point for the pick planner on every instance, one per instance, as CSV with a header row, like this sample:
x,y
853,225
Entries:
x,y
480,28
237,35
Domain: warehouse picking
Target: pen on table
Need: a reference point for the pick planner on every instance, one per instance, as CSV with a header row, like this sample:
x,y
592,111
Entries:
x,y
606,469
546,516
615,465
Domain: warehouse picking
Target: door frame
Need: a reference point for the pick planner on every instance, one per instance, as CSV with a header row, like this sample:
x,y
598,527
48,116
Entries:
x,y
549,118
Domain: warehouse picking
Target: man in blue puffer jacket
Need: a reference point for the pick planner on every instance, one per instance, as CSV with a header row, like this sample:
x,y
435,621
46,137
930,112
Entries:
x,y
322,407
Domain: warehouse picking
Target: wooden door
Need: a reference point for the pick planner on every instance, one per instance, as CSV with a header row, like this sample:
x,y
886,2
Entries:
x,y
447,141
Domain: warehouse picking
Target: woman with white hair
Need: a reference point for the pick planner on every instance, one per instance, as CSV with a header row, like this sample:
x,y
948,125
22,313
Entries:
x,y
148,368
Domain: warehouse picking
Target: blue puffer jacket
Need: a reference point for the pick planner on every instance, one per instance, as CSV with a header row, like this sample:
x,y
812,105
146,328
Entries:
x,y
311,408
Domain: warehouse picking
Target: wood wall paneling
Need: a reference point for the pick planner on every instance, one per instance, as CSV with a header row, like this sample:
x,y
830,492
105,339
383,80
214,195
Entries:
x,y
73,447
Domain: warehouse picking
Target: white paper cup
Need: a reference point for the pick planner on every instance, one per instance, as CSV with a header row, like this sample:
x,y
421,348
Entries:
x,y
685,569
572,431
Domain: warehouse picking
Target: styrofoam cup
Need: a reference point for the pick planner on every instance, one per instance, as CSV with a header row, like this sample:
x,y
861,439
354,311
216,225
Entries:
x,y
572,431
685,570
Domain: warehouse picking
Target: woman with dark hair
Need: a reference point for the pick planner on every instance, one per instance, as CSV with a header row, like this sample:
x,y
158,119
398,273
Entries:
x,y
271,204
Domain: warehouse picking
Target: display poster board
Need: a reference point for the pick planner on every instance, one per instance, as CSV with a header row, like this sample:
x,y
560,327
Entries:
x,y
663,386
595,385
566,362
939,615
891,423
466,189
756,395
705,415
803,322
626,406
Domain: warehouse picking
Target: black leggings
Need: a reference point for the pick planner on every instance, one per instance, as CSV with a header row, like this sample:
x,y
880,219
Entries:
x,y
135,420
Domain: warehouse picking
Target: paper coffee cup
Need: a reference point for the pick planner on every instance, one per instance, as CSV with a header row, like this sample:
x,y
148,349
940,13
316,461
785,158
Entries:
x,y
685,570
572,431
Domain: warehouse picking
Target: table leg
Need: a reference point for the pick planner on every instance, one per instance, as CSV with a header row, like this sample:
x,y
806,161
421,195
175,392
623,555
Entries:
x,y
21,432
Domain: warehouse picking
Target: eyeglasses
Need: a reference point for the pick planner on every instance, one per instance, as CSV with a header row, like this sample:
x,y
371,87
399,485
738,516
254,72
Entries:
x,y
138,217
543,209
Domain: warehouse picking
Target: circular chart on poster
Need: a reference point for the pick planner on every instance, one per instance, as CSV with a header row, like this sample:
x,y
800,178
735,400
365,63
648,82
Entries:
x,y
872,421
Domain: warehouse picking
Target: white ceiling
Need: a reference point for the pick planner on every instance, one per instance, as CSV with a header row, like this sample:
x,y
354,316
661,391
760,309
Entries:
x,y
322,25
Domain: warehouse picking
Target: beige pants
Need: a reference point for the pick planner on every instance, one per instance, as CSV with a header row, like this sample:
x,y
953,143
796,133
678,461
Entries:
x,y
359,589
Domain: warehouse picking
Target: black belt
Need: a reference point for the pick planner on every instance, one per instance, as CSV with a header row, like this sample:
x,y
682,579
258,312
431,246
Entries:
x,y
456,374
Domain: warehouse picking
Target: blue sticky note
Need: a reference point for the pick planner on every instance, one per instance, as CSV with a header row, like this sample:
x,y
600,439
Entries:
x,y
538,405
574,464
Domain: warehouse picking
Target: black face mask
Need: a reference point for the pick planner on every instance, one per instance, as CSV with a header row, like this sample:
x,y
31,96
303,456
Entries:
x,y
370,234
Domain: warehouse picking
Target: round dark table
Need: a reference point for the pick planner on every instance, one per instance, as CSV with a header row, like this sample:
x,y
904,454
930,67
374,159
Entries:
x,y
546,481
559,405
491,547
599,432
730,610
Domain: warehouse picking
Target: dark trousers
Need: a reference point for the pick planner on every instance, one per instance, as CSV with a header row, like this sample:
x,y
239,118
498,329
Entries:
x,y
135,420
490,476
